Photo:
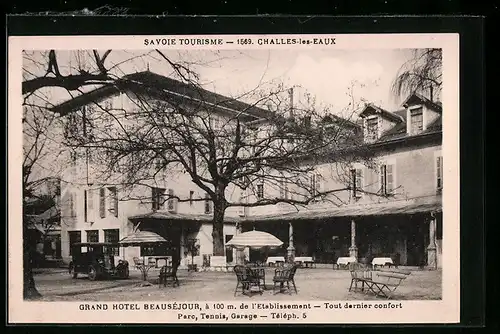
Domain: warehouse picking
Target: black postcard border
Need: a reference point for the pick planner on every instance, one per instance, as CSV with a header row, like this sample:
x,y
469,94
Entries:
x,y
471,31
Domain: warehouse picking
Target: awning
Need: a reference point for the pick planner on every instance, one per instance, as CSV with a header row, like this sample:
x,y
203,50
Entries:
x,y
165,215
399,207
402,207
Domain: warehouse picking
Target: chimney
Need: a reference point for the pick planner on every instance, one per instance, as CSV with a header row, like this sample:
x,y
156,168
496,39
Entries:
x,y
431,89
290,94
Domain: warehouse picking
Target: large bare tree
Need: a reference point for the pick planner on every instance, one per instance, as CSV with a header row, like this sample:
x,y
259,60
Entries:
x,y
268,154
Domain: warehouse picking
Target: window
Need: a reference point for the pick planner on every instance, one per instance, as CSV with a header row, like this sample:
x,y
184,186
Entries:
x,y
372,128
439,174
417,121
315,180
102,202
113,200
283,185
171,200
242,209
93,236
260,189
157,198
154,250
386,179
90,200
74,237
208,206
191,195
356,183
113,236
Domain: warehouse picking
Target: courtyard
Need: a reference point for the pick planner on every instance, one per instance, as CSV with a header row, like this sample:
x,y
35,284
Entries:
x,y
312,284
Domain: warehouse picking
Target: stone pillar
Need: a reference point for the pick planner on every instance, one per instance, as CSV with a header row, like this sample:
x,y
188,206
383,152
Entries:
x,y
353,250
432,248
238,254
290,249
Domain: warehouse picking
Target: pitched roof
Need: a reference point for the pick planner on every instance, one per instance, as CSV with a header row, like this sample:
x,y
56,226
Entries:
x,y
371,109
416,98
156,84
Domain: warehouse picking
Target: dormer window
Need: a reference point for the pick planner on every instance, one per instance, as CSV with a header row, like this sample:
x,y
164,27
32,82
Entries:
x,y
372,128
416,120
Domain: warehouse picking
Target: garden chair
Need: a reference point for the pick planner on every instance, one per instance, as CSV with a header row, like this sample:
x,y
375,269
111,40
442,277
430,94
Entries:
x,y
282,276
167,272
245,280
138,263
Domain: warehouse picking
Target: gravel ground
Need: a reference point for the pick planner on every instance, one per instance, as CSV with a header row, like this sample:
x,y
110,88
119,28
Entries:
x,y
312,284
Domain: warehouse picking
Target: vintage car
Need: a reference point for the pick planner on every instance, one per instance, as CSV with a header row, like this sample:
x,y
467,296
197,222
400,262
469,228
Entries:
x,y
96,260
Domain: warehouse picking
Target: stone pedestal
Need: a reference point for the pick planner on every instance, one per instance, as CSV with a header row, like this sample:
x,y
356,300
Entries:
x,y
290,254
432,248
353,250
290,251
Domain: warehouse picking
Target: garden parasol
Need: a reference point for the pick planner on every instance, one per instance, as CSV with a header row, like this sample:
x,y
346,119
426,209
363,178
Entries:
x,y
255,240
142,238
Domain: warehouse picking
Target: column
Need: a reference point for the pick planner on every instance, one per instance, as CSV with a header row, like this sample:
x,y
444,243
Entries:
x,y
353,250
290,249
238,254
432,248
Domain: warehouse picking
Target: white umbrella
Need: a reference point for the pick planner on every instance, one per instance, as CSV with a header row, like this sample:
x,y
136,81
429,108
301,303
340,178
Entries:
x,y
142,238
254,239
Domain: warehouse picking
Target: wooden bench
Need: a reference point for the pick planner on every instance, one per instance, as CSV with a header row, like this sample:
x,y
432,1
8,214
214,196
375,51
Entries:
x,y
382,282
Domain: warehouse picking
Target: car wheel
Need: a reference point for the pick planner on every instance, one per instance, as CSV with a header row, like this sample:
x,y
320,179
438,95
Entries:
x,y
72,271
92,273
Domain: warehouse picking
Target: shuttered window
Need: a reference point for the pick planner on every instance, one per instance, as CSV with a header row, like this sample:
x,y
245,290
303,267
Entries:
x,y
113,200
102,202
387,179
439,174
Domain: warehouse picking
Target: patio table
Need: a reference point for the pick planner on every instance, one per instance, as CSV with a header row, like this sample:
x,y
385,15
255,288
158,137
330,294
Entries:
x,y
345,261
275,259
382,261
307,260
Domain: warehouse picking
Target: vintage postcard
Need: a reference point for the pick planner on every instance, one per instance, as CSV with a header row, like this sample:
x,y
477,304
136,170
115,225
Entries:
x,y
275,179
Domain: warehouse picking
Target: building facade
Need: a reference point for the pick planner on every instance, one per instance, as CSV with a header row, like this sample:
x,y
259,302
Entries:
x,y
391,206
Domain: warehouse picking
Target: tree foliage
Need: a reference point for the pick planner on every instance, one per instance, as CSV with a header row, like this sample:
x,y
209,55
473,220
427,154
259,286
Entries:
x,y
421,73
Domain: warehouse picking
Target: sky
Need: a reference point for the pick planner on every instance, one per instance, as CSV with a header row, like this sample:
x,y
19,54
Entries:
x,y
325,74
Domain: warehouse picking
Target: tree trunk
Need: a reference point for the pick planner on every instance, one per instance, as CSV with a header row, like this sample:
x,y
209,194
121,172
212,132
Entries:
x,y
218,229
29,287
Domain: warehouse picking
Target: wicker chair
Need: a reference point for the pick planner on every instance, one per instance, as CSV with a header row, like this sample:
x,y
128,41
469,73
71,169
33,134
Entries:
x,y
245,280
282,276
167,272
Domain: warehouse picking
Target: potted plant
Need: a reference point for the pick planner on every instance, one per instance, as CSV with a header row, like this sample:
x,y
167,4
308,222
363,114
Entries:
x,y
192,249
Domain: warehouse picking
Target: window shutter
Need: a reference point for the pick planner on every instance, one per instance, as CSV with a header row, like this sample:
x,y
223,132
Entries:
x,y
359,181
102,202
439,173
115,202
389,187
383,179
85,206
72,211
319,181
171,200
